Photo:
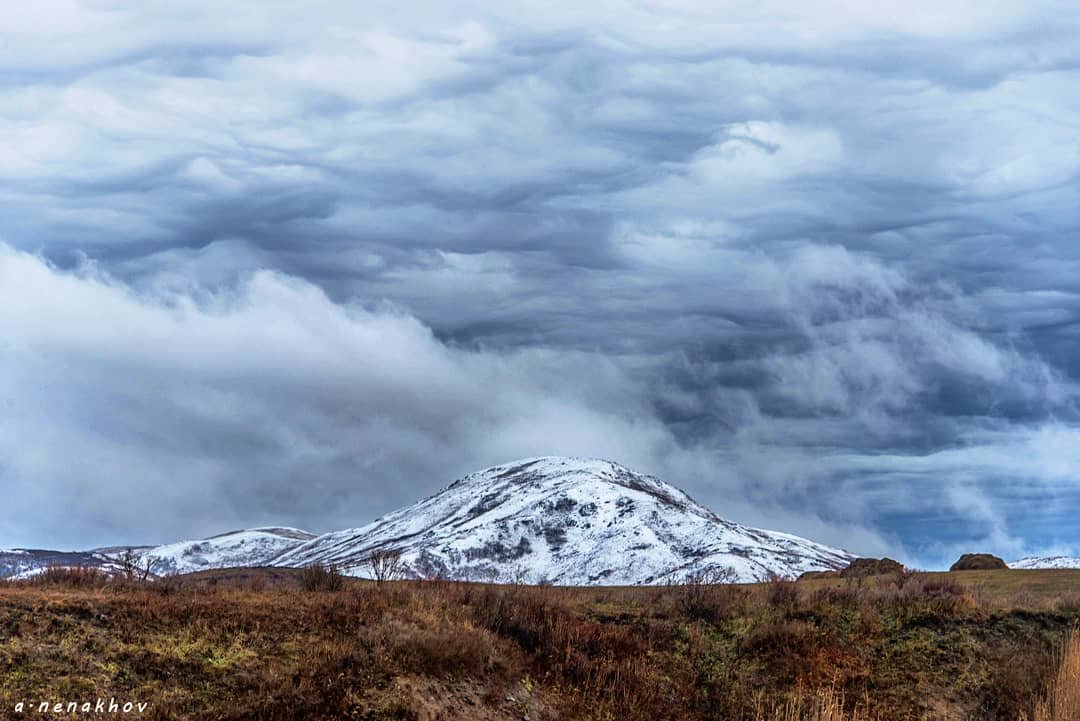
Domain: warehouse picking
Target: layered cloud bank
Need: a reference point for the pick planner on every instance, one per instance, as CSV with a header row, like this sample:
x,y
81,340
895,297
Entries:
x,y
154,413
298,265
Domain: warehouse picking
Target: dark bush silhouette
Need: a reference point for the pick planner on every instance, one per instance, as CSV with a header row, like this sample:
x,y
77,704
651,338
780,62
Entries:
x,y
318,577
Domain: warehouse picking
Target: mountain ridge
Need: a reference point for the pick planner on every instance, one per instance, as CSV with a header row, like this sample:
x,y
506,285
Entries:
x,y
568,521
1043,562
548,519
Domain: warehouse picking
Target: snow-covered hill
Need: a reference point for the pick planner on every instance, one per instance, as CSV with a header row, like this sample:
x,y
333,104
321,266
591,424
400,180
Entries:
x,y
15,561
567,521
254,547
247,548
1047,562
19,563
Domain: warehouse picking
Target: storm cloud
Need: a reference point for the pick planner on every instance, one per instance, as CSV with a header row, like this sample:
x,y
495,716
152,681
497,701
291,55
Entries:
x,y
283,264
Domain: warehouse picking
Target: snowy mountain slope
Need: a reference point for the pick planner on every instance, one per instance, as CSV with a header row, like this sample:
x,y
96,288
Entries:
x,y
13,561
25,563
1047,562
254,547
567,521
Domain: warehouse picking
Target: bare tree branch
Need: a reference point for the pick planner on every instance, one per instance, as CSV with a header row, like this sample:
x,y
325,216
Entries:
x,y
385,564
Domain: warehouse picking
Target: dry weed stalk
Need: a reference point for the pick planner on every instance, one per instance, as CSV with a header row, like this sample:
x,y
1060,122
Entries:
x,y
1063,701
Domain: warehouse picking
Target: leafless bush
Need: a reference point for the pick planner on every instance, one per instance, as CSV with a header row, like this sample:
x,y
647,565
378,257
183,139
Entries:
x,y
134,567
707,594
318,577
385,564
71,577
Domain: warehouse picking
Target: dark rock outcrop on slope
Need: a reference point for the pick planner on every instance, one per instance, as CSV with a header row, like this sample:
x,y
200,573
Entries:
x,y
811,575
862,567
979,562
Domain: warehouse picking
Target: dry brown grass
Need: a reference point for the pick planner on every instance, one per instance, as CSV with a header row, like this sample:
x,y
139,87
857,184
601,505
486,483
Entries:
x,y
70,577
256,645
1063,701
824,704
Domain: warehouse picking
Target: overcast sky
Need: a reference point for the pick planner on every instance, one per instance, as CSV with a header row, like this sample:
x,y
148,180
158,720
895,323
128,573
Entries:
x,y
303,263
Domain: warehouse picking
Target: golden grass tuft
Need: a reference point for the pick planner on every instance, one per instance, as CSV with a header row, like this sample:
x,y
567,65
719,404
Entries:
x,y
824,704
1063,701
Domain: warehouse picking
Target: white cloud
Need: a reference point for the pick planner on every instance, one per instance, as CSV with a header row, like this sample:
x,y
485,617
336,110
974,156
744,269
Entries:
x,y
150,414
756,152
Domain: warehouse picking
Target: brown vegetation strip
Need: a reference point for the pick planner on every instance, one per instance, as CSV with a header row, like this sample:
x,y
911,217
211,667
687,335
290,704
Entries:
x,y
256,645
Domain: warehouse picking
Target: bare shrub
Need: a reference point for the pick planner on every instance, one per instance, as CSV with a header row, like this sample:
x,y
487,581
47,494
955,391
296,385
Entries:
x,y
385,564
134,567
71,577
708,595
318,577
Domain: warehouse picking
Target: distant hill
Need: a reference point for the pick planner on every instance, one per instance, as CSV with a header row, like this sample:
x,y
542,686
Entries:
x,y
1046,562
566,521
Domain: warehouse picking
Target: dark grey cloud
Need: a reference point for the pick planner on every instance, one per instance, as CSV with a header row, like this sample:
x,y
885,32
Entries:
x,y
303,264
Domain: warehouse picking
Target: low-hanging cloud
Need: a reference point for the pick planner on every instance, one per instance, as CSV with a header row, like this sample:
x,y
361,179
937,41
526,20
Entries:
x,y
160,414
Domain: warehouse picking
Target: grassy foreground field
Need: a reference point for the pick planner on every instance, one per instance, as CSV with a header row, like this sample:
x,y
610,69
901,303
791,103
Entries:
x,y
257,645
